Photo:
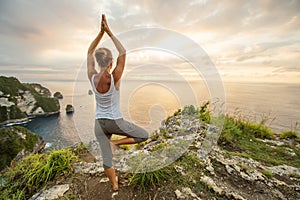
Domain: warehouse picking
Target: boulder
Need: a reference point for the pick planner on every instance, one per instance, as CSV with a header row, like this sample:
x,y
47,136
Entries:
x,y
58,95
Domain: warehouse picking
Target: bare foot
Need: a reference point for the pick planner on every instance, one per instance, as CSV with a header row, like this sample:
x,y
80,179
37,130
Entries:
x,y
115,186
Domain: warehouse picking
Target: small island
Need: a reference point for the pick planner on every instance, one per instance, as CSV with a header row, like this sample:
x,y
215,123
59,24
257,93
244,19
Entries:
x,y
70,109
58,95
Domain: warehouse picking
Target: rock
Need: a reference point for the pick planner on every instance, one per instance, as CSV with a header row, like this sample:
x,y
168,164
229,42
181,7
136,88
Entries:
x,y
69,109
211,184
27,102
114,194
179,169
38,111
186,193
104,180
179,194
52,193
88,168
5,102
58,95
283,170
274,142
220,190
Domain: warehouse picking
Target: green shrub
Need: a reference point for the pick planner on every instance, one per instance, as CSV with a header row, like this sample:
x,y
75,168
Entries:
x,y
204,113
34,172
144,180
267,173
230,132
289,134
10,85
189,110
257,130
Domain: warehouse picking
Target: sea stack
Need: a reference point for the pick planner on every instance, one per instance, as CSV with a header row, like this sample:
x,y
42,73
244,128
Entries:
x,y
69,109
58,95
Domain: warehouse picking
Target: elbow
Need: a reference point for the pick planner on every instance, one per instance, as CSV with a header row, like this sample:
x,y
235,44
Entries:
x,y
123,52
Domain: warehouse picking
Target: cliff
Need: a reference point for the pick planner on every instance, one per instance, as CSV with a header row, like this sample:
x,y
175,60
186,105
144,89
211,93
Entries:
x,y
20,101
187,158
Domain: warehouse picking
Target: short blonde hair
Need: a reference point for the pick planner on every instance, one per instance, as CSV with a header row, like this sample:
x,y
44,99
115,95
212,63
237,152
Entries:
x,y
103,56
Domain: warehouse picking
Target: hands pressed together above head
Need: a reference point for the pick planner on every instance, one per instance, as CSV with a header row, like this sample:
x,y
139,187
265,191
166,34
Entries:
x,y
104,25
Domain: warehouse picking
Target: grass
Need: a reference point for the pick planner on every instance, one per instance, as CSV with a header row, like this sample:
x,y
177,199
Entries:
x,y
293,175
144,180
289,134
168,176
267,173
240,137
32,173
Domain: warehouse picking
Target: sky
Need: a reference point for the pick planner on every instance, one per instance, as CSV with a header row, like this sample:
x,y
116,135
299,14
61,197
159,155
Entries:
x,y
257,40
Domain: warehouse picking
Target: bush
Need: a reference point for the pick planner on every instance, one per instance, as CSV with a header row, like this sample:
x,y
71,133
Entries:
x,y
289,134
204,113
189,110
257,130
267,173
230,132
147,179
34,172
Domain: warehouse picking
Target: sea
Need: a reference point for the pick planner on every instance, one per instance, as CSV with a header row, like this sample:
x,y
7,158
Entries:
x,y
148,102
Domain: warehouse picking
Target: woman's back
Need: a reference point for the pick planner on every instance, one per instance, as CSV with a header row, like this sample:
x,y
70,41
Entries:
x,y
108,100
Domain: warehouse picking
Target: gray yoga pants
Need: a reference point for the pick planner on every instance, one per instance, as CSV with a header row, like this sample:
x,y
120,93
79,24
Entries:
x,y
104,128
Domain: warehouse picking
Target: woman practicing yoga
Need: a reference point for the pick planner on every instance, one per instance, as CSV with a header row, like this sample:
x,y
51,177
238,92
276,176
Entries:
x,y
106,86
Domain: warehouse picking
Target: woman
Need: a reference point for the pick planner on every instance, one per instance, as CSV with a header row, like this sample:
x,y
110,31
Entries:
x,y
106,87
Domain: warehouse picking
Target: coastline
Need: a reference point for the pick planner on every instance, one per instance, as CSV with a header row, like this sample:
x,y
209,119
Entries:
x,y
14,122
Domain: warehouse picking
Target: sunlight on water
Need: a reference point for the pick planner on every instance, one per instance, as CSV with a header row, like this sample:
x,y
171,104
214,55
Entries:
x,y
147,104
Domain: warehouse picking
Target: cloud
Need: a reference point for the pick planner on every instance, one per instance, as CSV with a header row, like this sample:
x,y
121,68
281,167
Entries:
x,y
240,33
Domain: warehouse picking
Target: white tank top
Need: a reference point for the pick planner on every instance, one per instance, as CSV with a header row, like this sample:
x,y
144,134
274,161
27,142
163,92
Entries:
x,y
107,104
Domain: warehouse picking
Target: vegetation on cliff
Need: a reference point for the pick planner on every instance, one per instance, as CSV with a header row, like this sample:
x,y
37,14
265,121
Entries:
x,y
13,140
245,164
33,173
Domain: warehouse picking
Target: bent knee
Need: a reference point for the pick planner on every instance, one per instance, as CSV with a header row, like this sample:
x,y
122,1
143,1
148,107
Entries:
x,y
139,140
144,137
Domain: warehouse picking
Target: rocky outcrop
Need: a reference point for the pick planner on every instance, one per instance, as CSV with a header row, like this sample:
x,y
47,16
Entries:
x,y
228,176
20,101
232,177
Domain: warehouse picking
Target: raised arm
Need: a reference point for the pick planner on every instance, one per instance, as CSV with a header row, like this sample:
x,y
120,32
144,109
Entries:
x,y
118,71
90,55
